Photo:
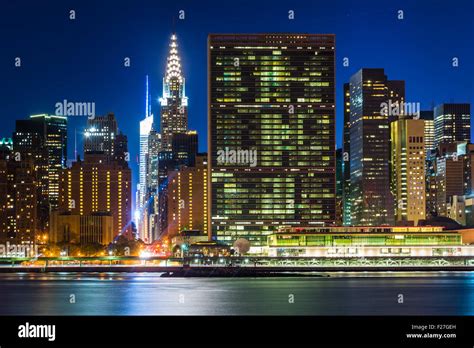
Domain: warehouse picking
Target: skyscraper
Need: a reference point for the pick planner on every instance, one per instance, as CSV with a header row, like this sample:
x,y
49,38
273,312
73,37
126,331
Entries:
x,y
185,147
43,138
18,198
346,155
408,169
452,123
428,118
430,165
182,154
339,186
187,201
271,133
102,136
174,103
146,126
145,129
371,199
450,176
95,186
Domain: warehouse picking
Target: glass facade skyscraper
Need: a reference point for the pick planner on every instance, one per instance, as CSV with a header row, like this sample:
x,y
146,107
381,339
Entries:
x,y
371,199
271,133
452,123
43,138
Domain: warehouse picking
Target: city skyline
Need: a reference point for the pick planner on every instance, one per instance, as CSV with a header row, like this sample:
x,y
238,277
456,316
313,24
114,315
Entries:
x,y
151,60
306,159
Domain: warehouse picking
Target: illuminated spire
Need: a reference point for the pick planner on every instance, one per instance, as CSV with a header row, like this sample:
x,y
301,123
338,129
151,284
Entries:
x,y
173,66
147,110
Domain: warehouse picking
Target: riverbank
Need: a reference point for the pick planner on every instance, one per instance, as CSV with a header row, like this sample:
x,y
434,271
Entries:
x,y
226,271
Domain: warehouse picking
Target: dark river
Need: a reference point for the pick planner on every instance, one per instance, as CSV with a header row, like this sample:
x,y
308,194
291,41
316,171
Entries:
x,y
437,293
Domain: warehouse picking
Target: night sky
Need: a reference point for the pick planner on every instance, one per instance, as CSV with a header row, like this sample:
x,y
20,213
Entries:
x,y
82,60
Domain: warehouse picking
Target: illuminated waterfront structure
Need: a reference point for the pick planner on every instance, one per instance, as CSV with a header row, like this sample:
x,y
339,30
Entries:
x,y
408,169
271,95
371,199
380,241
174,103
43,138
452,123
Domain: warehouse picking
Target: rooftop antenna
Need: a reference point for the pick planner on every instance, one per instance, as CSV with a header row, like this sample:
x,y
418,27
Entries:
x,y
147,106
75,143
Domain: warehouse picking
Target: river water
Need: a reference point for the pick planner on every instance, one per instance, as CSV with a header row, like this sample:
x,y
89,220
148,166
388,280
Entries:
x,y
342,293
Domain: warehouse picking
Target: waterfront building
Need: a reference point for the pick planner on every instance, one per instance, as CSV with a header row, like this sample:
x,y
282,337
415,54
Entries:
x,y
271,133
368,241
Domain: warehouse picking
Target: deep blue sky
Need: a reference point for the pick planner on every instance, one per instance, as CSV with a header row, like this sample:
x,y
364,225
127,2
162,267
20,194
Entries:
x,y
82,60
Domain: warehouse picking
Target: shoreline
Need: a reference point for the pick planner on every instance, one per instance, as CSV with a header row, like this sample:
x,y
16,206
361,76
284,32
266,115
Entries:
x,y
229,272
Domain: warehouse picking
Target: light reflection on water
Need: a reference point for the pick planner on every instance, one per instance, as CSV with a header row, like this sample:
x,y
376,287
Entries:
x,y
348,293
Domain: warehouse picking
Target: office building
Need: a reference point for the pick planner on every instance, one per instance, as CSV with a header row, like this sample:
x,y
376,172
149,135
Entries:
x,y
408,169
346,155
371,199
174,103
271,133
428,118
43,138
452,123
96,228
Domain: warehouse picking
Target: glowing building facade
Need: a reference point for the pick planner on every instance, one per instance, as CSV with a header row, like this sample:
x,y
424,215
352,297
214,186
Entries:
x,y
452,123
408,169
174,103
371,199
273,96
43,139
